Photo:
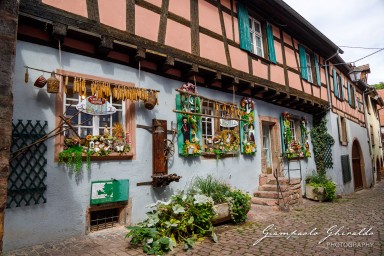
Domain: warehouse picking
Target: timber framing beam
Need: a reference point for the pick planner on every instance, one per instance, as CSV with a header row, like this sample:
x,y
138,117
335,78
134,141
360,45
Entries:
x,y
127,48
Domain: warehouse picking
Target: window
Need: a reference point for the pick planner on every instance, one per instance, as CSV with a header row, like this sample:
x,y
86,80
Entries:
x,y
256,37
343,134
293,133
251,34
309,60
351,95
309,67
90,124
208,124
267,147
338,88
86,124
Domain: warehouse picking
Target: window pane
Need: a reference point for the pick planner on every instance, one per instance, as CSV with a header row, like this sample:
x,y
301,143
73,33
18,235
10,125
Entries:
x,y
257,27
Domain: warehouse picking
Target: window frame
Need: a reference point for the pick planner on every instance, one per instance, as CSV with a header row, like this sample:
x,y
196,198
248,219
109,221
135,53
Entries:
x,y
309,67
255,34
129,117
205,136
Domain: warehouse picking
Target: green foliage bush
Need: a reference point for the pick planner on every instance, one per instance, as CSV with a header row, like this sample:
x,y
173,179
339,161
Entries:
x,y
320,180
240,204
211,187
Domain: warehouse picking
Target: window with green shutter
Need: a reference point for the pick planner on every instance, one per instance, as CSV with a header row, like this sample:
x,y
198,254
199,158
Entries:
x,y
271,45
317,68
303,62
335,83
243,20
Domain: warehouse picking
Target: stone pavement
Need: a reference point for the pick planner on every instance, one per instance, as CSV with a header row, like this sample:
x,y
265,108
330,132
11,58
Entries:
x,y
356,213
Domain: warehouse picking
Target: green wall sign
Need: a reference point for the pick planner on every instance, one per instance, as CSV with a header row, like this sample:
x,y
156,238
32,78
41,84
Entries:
x,y
109,191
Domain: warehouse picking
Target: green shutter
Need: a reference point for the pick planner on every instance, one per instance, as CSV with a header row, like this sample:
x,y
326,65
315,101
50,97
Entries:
x,y
109,191
241,136
282,134
335,83
180,140
243,20
342,89
271,45
303,63
353,97
349,93
317,68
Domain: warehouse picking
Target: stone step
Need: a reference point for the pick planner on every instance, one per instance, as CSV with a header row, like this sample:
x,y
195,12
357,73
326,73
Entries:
x,y
270,194
268,187
284,181
265,201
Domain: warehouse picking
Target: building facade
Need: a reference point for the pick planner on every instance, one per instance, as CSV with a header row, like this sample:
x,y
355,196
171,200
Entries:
x,y
243,62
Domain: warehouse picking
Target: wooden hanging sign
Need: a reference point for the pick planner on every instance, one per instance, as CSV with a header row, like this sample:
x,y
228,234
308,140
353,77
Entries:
x,y
95,106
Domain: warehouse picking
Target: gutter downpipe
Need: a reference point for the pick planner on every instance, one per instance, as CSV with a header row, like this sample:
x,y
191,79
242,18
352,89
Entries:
x,y
327,78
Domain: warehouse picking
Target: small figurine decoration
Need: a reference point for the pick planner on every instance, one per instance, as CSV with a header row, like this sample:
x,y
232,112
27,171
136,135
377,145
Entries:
x,y
188,124
247,127
294,148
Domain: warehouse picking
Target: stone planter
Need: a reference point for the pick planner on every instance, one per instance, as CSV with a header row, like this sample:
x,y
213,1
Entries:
x,y
314,193
222,213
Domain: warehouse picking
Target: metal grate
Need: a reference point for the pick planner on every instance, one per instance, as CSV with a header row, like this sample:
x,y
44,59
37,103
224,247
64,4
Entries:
x,y
27,174
346,168
104,219
328,162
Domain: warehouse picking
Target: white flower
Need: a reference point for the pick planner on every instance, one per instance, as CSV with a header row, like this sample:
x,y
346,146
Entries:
x,y
178,209
202,199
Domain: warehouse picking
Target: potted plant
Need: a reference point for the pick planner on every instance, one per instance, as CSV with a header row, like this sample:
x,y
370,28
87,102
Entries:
x,y
320,188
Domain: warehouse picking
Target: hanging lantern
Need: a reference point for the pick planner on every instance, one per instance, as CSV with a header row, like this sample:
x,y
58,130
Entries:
x,y
53,84
151,101
40,81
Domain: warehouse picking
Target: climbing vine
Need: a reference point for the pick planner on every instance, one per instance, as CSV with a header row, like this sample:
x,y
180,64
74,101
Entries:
x,y
322,141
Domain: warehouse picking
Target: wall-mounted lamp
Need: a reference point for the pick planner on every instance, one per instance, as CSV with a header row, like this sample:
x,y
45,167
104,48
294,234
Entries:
x,y
355,75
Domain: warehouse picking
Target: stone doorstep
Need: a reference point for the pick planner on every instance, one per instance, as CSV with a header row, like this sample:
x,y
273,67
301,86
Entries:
x,y
271,194
268,187
284,181
264,201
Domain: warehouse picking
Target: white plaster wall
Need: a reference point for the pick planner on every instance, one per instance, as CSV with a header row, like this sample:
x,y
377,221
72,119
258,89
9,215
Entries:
x,y
68,195
355,132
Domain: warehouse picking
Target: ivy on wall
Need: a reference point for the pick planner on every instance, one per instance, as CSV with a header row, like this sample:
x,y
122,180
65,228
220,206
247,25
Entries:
x,y
322,143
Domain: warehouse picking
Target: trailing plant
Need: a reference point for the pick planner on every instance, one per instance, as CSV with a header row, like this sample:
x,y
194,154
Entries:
x,y
239,205
183,219
321,141
320,180
72,157
211,187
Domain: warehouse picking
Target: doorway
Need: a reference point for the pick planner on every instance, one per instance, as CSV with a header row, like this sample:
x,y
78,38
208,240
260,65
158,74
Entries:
x,y
357,164
378,169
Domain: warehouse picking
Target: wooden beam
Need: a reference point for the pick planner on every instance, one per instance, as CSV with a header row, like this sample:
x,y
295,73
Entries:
x,y
168,64
195,37
59,31
105,46
130,16
93,10
163,22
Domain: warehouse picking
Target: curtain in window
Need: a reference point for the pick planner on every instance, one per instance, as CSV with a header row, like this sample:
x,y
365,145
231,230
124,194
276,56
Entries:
x,y
335,85
245,37
303,62
271,45
317,68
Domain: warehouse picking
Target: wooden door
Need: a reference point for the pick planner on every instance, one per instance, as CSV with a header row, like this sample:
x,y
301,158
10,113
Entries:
x,y
378,170
356,165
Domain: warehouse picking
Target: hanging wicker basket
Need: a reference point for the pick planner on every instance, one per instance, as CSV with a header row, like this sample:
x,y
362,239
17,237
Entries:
x,y
53,84
40,81
151,102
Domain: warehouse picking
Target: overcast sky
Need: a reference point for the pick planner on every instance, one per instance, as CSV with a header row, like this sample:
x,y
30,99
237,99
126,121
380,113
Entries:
x,y
350,23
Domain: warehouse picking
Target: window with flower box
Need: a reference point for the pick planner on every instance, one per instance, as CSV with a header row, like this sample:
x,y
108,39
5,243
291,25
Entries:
x,y
114,132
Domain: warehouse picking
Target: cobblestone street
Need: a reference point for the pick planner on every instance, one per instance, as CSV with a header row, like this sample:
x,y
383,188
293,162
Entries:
x,y
357,212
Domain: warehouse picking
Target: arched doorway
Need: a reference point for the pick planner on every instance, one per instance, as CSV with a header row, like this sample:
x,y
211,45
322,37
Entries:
x,y
378,169
357,165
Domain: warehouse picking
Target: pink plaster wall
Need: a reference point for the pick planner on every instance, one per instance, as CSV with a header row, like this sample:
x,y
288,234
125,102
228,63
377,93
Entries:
x,y
294,80
277,74
237,38
209,17
322,76
324,94
275,31
259,69
155,2
316,91
239,59
181,8
146,23
290,58
287,39
228,26
113,13
226,3
78,7
278,52
178,36
212,49
307,87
